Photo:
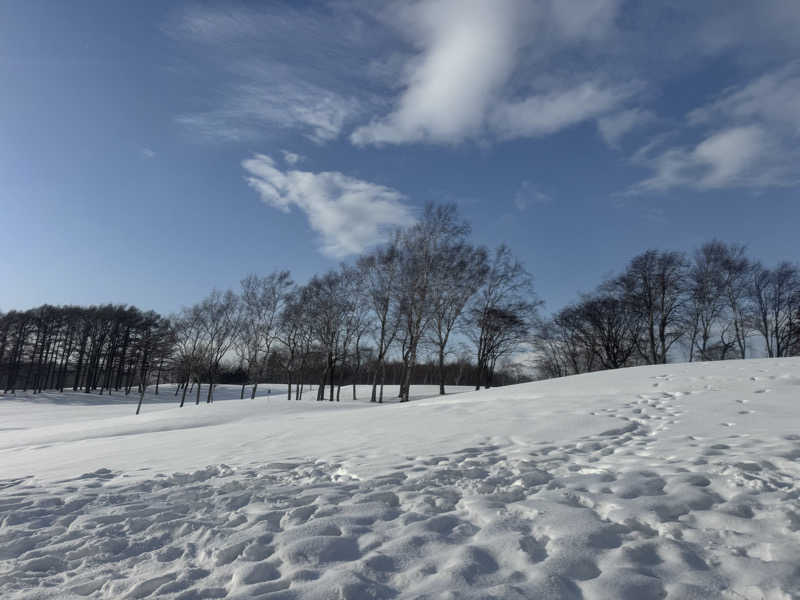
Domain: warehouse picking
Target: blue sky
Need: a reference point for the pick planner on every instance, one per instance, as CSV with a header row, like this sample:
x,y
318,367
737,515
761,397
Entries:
x,y
150,151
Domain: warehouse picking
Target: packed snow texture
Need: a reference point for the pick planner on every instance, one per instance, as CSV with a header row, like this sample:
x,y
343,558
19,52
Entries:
x,y
676,481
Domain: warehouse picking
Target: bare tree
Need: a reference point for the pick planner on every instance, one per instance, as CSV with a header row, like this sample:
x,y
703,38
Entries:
x,y
421,248
219,320
380,273
189,350
553,350
459,273
357,323
706,301
502,314
329,307
610,329
151,345
654,287
262,299
295,333
773,294
794,329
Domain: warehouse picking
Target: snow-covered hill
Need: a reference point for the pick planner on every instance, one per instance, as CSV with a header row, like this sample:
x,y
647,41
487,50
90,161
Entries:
x,y
678,481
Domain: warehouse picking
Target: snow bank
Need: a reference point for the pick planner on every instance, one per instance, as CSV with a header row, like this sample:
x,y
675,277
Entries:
x,y
676,481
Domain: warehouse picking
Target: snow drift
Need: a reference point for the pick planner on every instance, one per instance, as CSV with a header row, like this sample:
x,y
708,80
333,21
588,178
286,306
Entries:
x,y
675,481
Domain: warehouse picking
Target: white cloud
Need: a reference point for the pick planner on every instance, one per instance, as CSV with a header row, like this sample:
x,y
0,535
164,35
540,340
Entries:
x,y
584,19
771,98
529,195
733,157
148,152
348,214
291,158
543,114
274,68
468,48
728,154
446,71
211,26
252,109
750,139
462,83
615,126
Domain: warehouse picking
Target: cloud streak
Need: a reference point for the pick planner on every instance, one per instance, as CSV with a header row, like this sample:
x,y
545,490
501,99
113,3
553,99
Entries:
x,y
731,157
748,138
348,214
468,81
252,110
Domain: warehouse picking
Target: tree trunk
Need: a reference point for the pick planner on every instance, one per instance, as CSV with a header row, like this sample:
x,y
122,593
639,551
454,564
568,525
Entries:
x,y
158,375
441,371
373,395
141,398
183,396
331,373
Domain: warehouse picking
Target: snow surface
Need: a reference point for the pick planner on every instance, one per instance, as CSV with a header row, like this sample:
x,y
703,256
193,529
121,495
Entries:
x,y
676,481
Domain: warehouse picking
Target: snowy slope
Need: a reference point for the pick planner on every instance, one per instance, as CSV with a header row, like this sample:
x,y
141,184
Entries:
x,y
678,481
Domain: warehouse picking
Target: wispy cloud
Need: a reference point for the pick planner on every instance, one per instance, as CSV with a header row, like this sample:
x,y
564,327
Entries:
x,y
278,69
771,98
453,71
747,138
729,158
467,53
148,152
546,113
252,110
348,214
614,127
291,158
471,75
528,194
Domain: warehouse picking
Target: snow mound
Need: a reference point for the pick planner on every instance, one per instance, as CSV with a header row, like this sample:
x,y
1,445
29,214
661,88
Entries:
x,y
676,481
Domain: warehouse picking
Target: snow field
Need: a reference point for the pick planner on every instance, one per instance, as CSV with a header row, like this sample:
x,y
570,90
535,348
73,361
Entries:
x,y
677,481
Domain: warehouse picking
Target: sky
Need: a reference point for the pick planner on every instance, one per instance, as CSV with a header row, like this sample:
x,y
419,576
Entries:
x,y
151,151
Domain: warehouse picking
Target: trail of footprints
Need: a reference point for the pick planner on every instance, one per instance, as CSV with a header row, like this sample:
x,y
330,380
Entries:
x,y
581,520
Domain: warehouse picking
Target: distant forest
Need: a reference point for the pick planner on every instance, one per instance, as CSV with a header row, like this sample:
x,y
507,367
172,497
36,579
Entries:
x,y
427,307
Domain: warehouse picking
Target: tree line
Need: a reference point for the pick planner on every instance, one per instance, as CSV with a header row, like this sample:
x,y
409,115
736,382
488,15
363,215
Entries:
x,y
714,304
426,307
399,313
93,349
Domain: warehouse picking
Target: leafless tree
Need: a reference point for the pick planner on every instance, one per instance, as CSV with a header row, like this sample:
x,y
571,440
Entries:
x,y
295,334
219,321
357,324
421,250
773,294
152,344
502,314
610,328
380,273
262,299
459,273
189,350
328,308
706,302
654,286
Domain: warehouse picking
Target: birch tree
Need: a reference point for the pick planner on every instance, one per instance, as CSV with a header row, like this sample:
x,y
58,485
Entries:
x,y
502,314
262,299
